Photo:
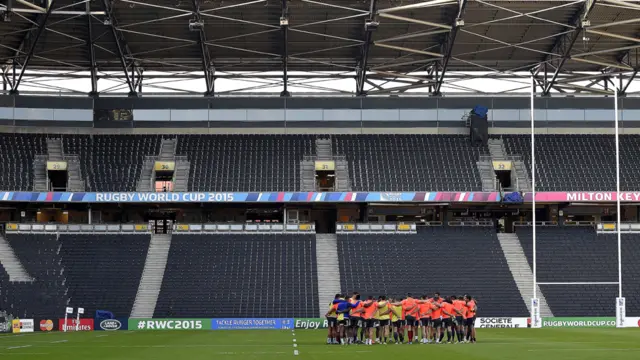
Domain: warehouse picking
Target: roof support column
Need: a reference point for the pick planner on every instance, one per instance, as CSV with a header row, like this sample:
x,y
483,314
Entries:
x,y
447,45
361,70
42,21
92,53
122,47
207,64
284,28
565,42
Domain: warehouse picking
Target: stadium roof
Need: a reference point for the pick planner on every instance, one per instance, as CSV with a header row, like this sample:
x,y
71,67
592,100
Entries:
x,y
247,46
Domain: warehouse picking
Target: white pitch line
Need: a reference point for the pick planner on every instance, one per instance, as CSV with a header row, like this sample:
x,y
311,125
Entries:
x,y
18,347
99,336
59,341
583,349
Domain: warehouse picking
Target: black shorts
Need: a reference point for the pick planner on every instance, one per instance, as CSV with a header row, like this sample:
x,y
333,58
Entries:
x,y
459,320
369,323
471,321
411,321
343,322
436,323
355,322
447,322
398,324
332,321
384,322
425,322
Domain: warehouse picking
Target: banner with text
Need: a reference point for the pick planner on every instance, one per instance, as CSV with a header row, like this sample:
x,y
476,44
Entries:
x,y
250,197
311,323
579,322
502,322
85,324
309,197
22,326
248,324
169,324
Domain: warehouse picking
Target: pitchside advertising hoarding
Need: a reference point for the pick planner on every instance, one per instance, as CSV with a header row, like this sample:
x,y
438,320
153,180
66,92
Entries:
x,y
19,326
211,324
84,324
482,322
579,322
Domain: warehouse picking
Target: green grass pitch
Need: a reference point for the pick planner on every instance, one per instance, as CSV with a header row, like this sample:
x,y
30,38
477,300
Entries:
x,y
520,344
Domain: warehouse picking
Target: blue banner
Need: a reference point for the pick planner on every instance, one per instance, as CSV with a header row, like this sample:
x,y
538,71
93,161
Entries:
x,y
246,197
247,324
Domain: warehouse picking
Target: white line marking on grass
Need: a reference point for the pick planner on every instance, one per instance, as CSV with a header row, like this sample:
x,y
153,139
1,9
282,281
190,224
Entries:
x,y
18,347
59,341
583,349
102,336
24,353
5,337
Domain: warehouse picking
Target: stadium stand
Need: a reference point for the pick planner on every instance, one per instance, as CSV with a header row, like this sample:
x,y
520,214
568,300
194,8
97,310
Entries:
x,y
240,275
17,152
365,259
574,254
579,162
103,271
245,162
97,272
46,295
124,155
411,162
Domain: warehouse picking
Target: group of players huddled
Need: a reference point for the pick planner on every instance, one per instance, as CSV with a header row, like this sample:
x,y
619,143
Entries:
x,y
356,321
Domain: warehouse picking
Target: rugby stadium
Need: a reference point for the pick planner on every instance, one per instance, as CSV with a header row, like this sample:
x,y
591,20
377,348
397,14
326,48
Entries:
x,y
265,179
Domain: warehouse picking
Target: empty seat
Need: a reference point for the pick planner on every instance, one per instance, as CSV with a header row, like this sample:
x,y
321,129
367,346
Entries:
x,y
453,261
240,275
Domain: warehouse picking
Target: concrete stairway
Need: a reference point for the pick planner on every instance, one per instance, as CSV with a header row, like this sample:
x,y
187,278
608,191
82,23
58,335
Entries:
x,y
40,177
75,182
11,264
521,271
145,182
496,149
522,176
487,175
328,269
307,175
167,149
342,182
324,149
54,150
181,174
152,275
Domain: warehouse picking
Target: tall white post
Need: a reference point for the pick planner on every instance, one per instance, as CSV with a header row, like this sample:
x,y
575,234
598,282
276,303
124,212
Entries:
x,y
619,215
620,301
536,321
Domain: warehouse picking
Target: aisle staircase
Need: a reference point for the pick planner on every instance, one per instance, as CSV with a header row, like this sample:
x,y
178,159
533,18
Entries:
x,y
328,270
152,275
521,271
11,264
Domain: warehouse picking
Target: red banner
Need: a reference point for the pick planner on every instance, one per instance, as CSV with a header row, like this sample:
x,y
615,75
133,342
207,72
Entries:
x,y
84,325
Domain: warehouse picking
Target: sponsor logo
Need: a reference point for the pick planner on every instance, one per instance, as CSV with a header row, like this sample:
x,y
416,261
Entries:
x,y
83,325
579,322
501,322
169,324
5,327
46,325
110,325
22,325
